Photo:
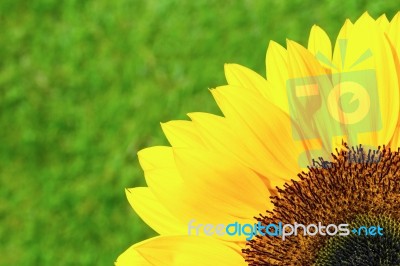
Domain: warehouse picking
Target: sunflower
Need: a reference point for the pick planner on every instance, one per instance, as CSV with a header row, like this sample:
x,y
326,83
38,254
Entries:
x,y
315,141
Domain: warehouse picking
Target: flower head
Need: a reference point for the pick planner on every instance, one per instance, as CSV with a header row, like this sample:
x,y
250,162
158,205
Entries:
x,y
315,141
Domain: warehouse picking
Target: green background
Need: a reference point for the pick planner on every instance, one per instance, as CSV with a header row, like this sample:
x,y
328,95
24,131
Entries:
x,y
83,87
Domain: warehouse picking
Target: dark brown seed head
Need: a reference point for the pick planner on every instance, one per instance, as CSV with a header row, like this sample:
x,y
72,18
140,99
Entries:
x,y
356,183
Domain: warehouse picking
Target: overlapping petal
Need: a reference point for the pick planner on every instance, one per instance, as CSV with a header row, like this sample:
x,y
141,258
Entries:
x,y
188,183
224,169
362,47
153,212
266,130
180,251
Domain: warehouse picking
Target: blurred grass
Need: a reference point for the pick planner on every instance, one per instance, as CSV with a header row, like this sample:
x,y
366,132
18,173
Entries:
x,y
83,87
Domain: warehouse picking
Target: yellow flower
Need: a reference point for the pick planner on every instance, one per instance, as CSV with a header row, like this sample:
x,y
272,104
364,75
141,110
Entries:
x,y
220,170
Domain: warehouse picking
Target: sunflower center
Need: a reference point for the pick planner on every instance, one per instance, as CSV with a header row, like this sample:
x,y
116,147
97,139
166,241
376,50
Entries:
x,y
355,183
363,249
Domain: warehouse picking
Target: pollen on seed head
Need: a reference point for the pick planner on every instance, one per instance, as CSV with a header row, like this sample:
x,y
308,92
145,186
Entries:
x,y
355,182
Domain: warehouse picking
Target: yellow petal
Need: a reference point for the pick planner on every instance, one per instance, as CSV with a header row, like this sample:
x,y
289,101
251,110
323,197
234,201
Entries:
x,y
367,48
180,251
277,74
383,22
181,134
393,33
241,76
222,180
320,45
395,142
306,97
155,157
153,212
302,63
219,136
394,38
345,30
132,257
265,129
205,187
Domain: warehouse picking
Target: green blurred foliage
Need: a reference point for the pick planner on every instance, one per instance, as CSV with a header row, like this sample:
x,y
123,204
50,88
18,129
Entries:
x,y
83,87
